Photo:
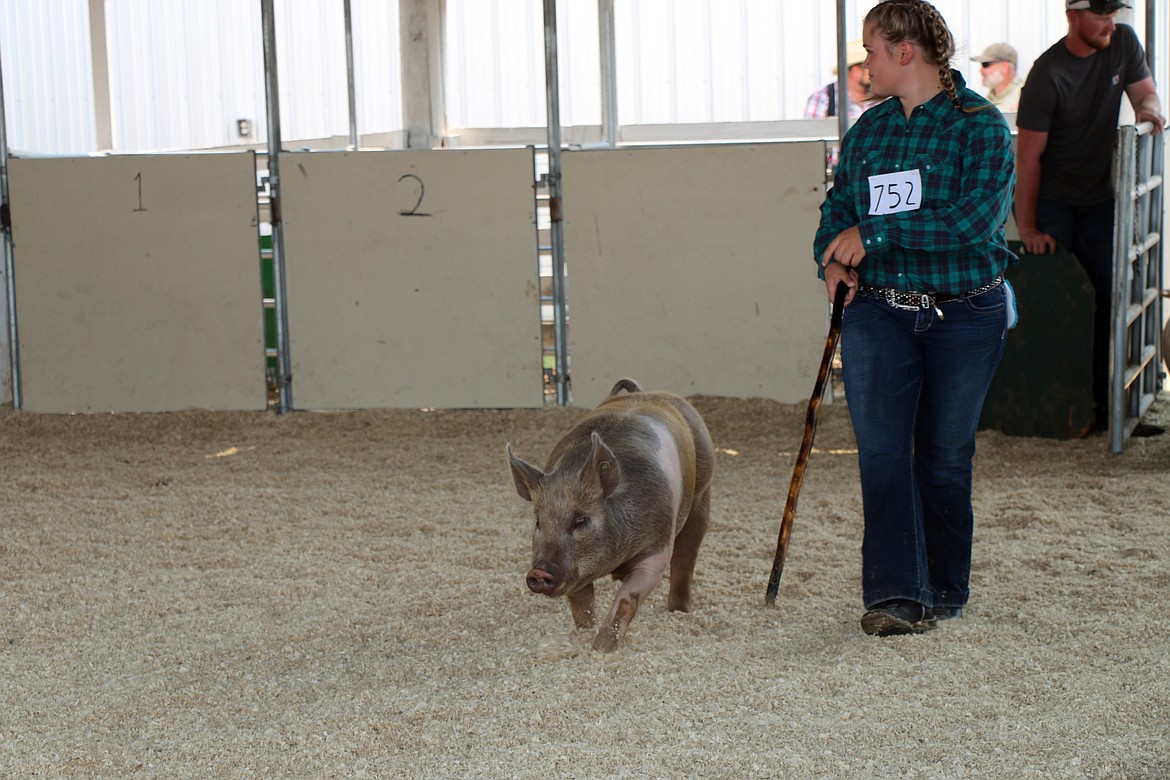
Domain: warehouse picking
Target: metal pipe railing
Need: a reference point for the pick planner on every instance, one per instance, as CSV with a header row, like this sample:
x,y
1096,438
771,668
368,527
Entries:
x,y
1139,157
13,356
349,78
272,91
556,226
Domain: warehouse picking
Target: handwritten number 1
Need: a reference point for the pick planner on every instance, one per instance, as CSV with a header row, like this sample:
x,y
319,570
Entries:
x,y
138,179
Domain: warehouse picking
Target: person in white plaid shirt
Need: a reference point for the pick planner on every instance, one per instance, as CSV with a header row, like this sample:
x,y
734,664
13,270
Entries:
x,y
825,101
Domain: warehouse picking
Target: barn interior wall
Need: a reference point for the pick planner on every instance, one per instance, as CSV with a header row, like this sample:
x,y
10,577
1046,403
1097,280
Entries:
x,y
161,85
413,277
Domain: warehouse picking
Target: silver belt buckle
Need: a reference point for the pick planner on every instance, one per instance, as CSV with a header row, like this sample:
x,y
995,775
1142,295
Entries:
x,y
926,302
901,299
904,305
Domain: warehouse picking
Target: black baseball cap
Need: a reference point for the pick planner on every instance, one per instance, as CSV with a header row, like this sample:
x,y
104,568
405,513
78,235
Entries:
x,y
1096,6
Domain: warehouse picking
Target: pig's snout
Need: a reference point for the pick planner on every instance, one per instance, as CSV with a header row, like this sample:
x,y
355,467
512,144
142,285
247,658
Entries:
x,y
541,580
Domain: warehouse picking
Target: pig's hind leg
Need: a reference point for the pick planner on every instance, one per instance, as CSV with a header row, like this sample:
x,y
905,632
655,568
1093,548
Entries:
x,y
686,550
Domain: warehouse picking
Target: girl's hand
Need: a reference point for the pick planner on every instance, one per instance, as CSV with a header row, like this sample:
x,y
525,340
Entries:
x,y
845,249
836,274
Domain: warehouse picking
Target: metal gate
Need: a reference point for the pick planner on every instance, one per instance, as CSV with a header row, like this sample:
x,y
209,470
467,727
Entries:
x,y
1139,158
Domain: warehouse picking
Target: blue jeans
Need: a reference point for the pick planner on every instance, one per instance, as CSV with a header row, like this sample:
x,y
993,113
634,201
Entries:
x,y
915,385
1087,232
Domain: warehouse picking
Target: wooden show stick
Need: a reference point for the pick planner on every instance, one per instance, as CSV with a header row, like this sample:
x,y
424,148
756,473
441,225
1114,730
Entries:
x,y
810,429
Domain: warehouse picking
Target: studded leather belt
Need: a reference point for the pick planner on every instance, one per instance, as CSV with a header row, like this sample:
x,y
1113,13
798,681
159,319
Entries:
x,y
911,300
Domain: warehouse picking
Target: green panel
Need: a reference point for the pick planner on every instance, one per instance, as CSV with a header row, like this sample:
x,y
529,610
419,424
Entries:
x,y
268,286
1043,387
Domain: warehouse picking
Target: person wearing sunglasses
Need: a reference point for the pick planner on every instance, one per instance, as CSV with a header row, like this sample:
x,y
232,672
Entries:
x,y
997,65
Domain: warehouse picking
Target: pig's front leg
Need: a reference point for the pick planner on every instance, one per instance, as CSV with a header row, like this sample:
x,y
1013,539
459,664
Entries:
x,y
581,602
637,583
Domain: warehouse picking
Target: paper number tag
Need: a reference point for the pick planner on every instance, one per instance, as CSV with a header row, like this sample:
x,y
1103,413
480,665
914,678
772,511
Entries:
x,y
891,193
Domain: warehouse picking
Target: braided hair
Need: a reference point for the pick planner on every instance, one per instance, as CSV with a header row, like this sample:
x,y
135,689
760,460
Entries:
x,y
917,21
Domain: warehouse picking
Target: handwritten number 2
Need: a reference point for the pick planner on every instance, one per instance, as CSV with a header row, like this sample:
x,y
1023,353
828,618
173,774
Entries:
x,y
414,212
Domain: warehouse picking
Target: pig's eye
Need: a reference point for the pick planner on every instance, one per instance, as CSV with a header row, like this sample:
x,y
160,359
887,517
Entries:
x,y
580,521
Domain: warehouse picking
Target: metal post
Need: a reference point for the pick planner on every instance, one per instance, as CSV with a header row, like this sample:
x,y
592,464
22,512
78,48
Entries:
x,y
13,356
100,64
1151,36
1123,171
272,92
1158,260
552,94
608,50
842,75
353,132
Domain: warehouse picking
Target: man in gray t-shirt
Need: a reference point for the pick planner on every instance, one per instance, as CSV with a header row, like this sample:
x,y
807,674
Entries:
x,y
1067,121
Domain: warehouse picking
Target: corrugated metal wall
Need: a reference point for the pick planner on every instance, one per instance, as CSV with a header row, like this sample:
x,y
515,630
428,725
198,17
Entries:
x,y
686,61
48,77
182,72
175,75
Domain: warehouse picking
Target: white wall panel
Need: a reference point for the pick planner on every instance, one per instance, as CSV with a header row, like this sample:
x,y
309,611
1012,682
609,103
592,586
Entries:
x,y
170,85
183,72
377,66
495,63
688,61
48,77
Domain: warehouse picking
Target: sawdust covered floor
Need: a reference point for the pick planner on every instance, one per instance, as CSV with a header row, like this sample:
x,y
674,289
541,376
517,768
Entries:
x,y
342,595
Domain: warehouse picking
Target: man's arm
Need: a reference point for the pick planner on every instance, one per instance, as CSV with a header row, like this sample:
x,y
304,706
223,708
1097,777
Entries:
x,y
1030,145
1143,96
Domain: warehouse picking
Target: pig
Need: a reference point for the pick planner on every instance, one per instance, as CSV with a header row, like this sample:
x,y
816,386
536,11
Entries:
x,y
623,493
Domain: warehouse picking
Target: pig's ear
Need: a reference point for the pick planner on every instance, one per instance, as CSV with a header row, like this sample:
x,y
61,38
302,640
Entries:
x,y
603,465
526,476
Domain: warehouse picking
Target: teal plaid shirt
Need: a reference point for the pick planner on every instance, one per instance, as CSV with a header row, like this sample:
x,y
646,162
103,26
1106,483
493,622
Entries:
x,y
954,241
